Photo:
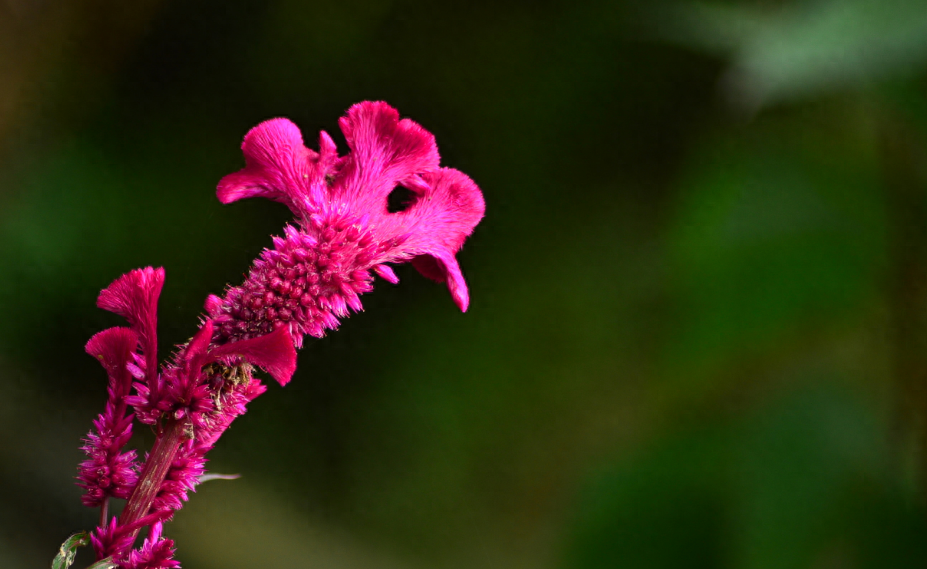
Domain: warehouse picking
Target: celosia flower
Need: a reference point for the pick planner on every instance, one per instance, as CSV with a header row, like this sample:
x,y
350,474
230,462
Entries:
x,y
156,552
134,296
345,229
108,472
345,232
189,403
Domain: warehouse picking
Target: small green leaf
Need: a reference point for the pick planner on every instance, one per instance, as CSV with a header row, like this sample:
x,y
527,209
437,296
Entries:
x,y
107,563
68,550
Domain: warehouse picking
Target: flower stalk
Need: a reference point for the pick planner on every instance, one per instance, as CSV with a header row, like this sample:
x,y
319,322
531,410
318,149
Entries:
x,y
344,234
162,456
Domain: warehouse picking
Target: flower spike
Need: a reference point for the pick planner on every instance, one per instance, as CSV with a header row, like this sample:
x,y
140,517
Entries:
x,y
344,233
134,296
109,472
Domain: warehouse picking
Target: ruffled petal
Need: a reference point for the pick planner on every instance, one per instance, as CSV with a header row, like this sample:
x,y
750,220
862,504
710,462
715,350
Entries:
x,y
446,208
384,151
134,296
445,269
272,352
194,356
346,211
114,347
279,167
387,152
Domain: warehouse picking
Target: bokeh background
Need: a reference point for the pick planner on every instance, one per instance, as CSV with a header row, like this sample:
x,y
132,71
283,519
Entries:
x,y
698,330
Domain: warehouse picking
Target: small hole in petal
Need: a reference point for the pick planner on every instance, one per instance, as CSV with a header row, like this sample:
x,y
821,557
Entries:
x,y
400,199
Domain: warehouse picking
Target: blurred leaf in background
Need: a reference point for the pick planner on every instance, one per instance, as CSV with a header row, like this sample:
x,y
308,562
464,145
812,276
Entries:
x,y
796,50
804,483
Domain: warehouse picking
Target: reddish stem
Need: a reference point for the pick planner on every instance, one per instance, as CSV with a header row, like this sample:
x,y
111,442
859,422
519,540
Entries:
x,y
159,462
104,512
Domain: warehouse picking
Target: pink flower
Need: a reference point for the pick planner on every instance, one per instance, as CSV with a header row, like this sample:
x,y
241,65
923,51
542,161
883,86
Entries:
x,y
183,389
316,272
156,552
134,296
109,472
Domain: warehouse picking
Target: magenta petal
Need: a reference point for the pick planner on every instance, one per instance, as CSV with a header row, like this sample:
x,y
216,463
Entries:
x,y
134,296
436,225
273,352
386,272
384,150
279,167
274,154
113,347
212,305
315,272
195,354
453,207
387,152
445,269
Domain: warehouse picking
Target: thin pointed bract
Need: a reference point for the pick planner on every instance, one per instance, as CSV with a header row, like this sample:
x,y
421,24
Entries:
x,y
344,233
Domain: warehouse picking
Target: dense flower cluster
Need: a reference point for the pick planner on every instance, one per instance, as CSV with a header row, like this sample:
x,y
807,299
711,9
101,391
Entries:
x,y
315,273
156,552
109,472
345,233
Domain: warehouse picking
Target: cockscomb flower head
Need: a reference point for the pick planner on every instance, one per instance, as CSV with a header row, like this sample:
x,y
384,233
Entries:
x,y
345,231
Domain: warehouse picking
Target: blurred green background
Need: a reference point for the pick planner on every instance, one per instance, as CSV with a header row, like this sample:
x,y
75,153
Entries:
x,y
698,329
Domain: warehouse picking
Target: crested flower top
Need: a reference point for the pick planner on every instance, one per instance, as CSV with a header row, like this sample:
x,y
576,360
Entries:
x,y
345,228
345,232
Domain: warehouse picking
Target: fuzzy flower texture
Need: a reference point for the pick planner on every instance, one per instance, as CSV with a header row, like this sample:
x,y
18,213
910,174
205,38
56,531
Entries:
x,y
344,232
